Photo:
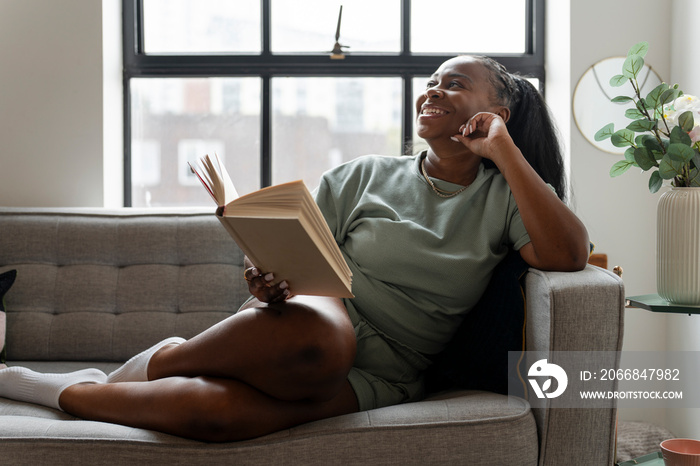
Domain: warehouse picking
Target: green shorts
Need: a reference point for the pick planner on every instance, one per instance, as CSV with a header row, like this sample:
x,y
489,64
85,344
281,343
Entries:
x,y
385,371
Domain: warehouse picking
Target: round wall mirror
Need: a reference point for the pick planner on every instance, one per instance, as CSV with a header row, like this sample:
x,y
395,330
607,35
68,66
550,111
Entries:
x,y
592,107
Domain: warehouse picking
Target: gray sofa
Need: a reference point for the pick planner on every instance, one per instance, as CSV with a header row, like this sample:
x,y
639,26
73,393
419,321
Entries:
x,y
95,287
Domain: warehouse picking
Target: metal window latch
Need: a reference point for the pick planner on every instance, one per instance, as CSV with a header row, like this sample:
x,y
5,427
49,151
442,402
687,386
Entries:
x,y
337,52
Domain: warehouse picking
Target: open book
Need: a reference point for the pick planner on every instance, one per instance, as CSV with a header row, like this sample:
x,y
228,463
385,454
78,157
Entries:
x,y
281,230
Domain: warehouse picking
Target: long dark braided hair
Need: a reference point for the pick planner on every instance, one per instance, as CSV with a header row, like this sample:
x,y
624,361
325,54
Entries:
x,y
530,124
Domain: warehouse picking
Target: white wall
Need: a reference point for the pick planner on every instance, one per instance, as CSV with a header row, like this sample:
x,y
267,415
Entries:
x,y
51,142
112,103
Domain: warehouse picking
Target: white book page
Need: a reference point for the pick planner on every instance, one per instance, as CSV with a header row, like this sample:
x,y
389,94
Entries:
x,y
213,175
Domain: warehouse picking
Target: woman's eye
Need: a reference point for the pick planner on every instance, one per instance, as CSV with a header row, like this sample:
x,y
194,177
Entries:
x,y
430,84
454,84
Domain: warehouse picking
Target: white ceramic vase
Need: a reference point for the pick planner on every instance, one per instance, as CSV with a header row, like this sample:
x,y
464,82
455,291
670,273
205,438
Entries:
x,y
678,246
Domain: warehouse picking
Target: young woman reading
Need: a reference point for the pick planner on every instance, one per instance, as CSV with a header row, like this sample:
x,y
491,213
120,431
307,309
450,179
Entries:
x,y
422,235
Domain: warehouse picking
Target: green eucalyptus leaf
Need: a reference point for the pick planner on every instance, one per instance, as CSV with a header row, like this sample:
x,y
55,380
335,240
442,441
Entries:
x,y
620,167
655,181
669,169
632,66
640,126
696,160
622,138
666,96
621,99
633,114
694,178
686,121
629,156
618,80
644,158
652,99
651,143
680,153
605,132
669,96
678,136
640,49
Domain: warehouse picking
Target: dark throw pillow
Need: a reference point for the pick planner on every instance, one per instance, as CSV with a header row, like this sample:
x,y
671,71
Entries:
x,y
477,356
6,281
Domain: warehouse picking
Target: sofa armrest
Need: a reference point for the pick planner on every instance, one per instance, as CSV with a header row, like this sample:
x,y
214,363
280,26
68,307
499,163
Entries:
x,y
579,311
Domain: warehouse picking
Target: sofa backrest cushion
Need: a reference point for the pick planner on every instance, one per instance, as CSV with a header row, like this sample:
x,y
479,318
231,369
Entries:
x,y
96,285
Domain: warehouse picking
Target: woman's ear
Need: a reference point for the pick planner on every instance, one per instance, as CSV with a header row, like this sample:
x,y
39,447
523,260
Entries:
x,y
504,112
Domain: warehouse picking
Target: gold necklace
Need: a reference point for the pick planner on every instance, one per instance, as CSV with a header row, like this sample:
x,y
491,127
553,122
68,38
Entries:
x,y
440,192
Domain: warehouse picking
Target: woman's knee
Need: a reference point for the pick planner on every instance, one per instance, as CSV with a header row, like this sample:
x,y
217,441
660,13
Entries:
x,y
215,410
329,363
325,348
228,410
320,327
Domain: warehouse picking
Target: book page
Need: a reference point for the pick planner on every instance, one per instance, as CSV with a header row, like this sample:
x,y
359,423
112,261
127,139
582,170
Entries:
x,y
216,180
285,247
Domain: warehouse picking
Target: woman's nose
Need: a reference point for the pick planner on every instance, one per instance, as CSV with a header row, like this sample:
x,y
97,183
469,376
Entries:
x,y
433,93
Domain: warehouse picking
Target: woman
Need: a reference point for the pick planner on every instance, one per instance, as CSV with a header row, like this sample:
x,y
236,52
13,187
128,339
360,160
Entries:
x,y
422,235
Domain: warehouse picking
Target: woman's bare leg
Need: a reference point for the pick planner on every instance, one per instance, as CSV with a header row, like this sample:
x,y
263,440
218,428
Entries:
x,y
203,408
266,368
302,348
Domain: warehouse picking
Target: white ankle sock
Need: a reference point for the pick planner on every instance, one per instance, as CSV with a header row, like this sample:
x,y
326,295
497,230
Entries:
x,y
136,368
22,384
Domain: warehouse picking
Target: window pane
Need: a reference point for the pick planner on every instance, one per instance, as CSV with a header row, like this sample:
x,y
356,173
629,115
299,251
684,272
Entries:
x,y
419,86
310,25
201,26
468,26
176,120
319,123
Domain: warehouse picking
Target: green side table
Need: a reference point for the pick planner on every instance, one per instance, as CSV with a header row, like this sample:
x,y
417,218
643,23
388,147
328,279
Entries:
x,y
652,459
655,303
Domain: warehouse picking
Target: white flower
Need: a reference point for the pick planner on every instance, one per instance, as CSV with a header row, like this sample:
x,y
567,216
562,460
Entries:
x,y
681,105
686,102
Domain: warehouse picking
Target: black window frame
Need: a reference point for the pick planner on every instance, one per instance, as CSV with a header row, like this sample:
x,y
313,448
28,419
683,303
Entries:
x,y
267,65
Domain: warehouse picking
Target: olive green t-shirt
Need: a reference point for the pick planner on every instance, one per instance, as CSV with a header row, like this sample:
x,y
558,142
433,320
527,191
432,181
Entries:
x,y
420,262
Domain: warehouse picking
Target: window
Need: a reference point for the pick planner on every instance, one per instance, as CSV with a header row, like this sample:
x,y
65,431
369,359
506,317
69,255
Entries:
x,y
254,81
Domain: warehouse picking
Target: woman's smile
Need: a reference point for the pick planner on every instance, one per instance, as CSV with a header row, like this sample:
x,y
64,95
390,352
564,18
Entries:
x,y
432,111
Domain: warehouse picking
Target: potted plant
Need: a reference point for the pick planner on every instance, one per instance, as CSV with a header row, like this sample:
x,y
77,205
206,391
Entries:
x,y
664,139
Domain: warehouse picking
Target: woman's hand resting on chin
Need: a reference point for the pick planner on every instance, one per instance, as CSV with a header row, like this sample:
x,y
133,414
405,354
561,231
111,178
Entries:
x,y
486,135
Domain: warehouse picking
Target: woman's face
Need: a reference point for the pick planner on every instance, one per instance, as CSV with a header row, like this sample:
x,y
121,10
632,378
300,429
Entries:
x,y
458,90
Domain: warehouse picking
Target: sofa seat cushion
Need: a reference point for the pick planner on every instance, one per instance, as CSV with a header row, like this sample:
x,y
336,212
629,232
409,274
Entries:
x,y
467,427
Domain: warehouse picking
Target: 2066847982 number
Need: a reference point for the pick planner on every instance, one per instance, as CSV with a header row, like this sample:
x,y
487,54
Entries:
x,y
640,374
